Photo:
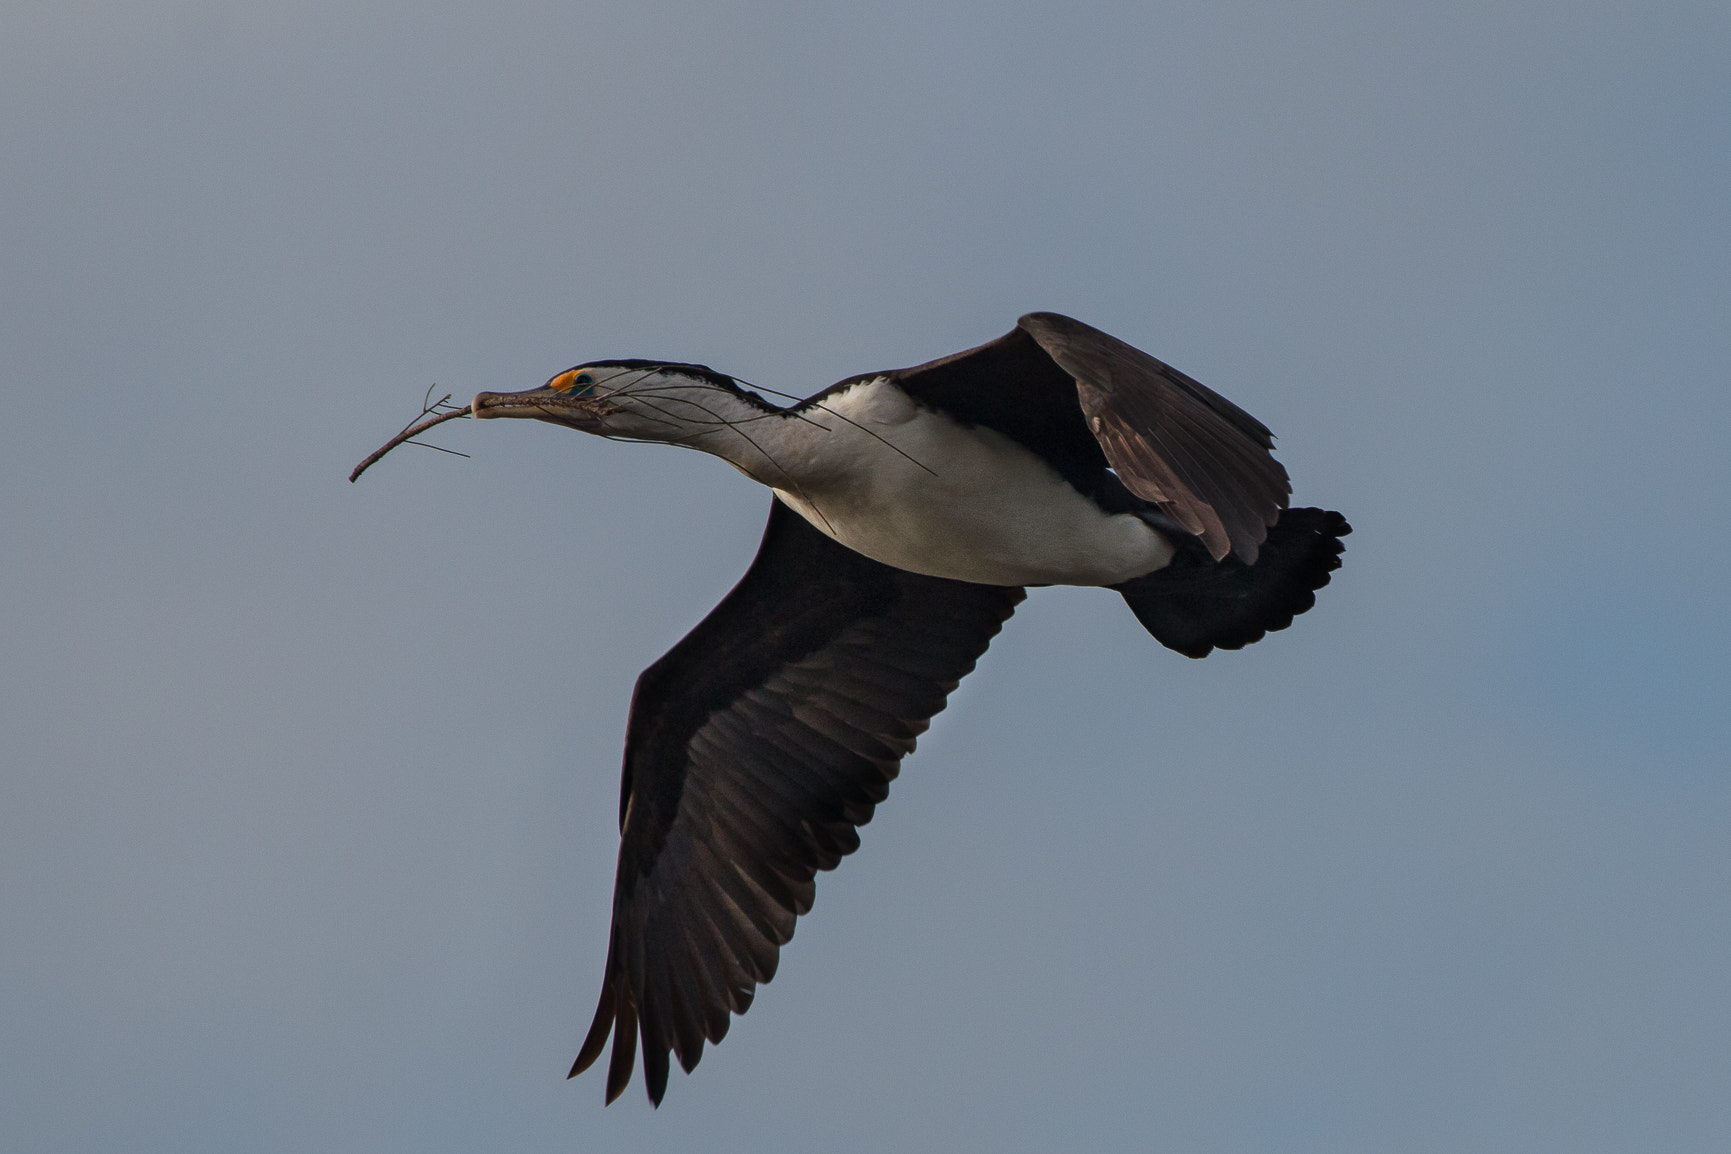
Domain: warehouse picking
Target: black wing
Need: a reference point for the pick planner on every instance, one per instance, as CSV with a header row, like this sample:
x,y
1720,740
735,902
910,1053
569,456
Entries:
x,y
1203,460
754,749
1084,400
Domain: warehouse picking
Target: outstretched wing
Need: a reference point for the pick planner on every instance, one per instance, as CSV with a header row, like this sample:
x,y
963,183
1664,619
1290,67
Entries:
x,y
1084,401
754,749
1203,460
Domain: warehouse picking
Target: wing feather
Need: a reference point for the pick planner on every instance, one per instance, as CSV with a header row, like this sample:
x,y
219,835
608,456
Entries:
x,y
755,749
1204,461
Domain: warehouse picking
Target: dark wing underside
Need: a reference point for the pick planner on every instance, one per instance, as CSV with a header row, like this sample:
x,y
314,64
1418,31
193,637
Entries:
x,y
1084,400
755,748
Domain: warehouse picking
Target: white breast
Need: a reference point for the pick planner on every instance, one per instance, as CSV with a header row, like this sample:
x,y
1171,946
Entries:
x,y
920,491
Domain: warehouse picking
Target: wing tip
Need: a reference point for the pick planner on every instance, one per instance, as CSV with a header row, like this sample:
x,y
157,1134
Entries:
x,y
602,1025
624,1047
615,1016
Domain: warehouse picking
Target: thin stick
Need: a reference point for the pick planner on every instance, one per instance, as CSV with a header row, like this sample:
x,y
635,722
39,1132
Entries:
x,y
436,449
411,431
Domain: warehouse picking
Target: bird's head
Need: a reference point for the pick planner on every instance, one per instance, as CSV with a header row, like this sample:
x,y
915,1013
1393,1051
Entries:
x,y
632,400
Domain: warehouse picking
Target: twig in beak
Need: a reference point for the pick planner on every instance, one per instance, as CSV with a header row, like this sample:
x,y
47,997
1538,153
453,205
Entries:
x,y
413,430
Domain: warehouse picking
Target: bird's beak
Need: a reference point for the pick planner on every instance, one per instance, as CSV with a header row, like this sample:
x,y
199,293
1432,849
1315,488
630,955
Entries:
x,y
543,404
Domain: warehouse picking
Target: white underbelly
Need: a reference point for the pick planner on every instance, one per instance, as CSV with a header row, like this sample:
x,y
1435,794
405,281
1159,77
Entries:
x,y
959,502
997,546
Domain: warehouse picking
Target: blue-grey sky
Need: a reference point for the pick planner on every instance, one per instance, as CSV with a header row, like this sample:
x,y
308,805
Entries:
x,y
308,794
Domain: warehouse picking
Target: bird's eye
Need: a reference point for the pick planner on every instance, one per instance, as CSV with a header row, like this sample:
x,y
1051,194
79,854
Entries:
x,y
573,383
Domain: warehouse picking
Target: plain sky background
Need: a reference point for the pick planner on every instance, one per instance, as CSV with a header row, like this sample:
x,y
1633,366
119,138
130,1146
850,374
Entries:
x,y
308,794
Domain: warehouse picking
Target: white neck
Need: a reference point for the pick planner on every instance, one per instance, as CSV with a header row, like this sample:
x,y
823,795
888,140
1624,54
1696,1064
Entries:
x,y
765,445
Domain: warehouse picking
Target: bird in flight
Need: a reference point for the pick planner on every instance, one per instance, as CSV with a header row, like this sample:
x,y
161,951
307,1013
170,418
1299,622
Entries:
x,y
911,510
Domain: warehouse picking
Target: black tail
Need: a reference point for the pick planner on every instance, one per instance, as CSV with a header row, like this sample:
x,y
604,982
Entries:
x,y
1195,605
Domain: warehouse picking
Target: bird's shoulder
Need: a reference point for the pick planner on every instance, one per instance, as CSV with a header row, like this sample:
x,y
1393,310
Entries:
x,y
1008,385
